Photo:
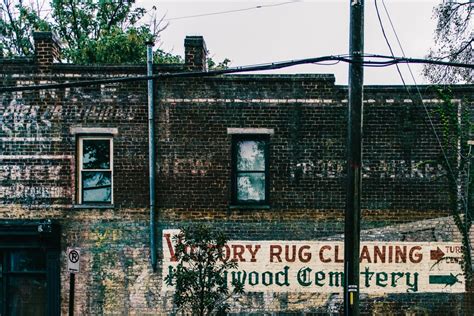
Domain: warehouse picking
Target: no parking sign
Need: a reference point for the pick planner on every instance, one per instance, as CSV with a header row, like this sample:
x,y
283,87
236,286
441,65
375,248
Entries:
x,y
73,258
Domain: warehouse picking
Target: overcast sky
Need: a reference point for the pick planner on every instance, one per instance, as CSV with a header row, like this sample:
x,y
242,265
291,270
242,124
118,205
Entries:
x,y
284,30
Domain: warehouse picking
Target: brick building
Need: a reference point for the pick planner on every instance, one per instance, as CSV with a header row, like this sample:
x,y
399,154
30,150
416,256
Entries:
x,y
261,157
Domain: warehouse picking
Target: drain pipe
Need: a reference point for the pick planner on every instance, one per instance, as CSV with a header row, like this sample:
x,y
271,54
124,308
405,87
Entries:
x,y
151,151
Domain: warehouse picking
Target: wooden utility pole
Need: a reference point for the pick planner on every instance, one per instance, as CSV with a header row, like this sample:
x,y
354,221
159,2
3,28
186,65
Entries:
x,y
354,160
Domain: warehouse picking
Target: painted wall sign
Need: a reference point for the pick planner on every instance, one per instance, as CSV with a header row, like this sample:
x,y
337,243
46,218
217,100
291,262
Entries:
x,y
317,266
23,115
375,169
20,117
29,172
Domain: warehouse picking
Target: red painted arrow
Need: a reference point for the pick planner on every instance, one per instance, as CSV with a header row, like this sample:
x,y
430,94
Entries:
x,y
436,254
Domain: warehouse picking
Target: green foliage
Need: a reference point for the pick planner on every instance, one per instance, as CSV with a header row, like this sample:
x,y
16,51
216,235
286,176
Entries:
x,y
212,65
200,279
17,23
162,57
116,47
103,31
456,126
100,31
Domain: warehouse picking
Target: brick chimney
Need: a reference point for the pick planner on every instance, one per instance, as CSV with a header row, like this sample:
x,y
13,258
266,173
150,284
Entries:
x,y
47,49
195,53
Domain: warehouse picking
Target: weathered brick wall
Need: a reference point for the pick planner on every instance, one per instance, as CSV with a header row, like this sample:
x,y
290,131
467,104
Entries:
x,y
404,198
307,154
403,182
38,179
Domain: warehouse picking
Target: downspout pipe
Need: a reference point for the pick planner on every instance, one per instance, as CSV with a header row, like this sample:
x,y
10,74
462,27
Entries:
x,y
151,152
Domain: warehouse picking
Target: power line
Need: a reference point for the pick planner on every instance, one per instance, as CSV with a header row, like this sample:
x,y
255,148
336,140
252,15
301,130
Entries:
x,y
388,61
232,11
263,6
388,43
398,39
430,120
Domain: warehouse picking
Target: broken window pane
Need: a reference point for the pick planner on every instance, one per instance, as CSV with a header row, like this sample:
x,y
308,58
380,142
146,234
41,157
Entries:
x,y
96,186
96,154
251,155
251,186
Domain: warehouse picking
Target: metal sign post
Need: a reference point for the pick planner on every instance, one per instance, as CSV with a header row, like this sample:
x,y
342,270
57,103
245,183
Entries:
x,y
73,258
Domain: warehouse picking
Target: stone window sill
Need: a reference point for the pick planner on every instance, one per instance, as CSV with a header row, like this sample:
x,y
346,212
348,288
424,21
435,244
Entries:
x,y
249,207
92,206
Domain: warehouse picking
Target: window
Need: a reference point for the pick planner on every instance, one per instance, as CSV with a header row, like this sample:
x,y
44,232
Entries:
x,y
95,170
250,169
24,271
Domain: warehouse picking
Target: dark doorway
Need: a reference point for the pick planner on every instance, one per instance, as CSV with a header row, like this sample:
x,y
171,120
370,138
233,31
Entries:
x,y
29,268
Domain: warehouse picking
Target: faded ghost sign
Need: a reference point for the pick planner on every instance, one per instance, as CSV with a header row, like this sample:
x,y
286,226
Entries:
x,y
317,266
19,117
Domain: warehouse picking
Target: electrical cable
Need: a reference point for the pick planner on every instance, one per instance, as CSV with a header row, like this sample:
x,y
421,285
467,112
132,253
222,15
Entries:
x,y
430,120
269,66
388,43
231,11
327,64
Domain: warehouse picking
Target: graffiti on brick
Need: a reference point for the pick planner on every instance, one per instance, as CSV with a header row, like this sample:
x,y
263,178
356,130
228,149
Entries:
x,y
317,266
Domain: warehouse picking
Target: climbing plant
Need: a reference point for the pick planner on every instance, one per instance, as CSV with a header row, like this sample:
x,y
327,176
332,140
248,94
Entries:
x,y
456,160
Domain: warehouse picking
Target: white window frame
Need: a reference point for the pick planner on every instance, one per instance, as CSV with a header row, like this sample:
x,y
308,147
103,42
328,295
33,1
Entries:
x,y
235,172
80,192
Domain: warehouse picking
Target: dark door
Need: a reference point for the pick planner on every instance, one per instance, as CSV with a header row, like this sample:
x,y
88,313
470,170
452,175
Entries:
x,y
24,281
29,269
